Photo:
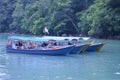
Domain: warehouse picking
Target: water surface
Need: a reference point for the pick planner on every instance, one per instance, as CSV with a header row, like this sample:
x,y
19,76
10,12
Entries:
x,y
104,65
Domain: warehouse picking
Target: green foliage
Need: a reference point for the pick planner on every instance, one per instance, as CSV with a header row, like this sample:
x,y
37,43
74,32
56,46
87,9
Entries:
x,y
87,17
5,14
100,19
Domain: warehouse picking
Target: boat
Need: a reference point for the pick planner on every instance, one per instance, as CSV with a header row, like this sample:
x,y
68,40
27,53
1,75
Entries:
x,y
95,47
13,46
79,48
63,38
59,51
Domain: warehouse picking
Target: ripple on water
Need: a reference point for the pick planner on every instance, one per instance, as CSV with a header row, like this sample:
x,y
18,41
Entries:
x,y
57,77
2,66
2,74
118,73
69,78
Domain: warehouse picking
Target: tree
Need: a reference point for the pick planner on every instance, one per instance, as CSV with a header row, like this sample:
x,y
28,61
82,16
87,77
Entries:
x,y
100,19
6,14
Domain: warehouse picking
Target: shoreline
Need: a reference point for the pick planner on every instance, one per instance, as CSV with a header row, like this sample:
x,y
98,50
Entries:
x,y
110,37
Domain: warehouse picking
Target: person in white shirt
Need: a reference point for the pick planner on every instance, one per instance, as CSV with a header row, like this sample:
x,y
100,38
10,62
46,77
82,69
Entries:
x,y
14,45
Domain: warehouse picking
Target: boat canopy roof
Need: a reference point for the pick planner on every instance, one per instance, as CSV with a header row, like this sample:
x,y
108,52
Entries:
x,y
34,38
24,38
66,38
48,38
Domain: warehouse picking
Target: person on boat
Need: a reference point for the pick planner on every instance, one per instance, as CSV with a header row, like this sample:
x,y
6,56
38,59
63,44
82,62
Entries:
x,y
60,43
20,44
24,45
69,43
44,44
14,46
33,45
54,43
9,43
28,44
54,48
49,44
39,45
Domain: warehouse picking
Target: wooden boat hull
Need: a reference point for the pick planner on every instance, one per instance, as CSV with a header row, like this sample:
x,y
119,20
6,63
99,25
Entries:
x,y
60,51
78,49
95,47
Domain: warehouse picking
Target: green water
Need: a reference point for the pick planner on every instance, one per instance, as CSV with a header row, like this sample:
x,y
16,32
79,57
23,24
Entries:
x,y
104,65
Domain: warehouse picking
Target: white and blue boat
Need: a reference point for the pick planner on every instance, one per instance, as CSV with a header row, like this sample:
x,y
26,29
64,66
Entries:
x,y
95,47
79,48
59,51
13,48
